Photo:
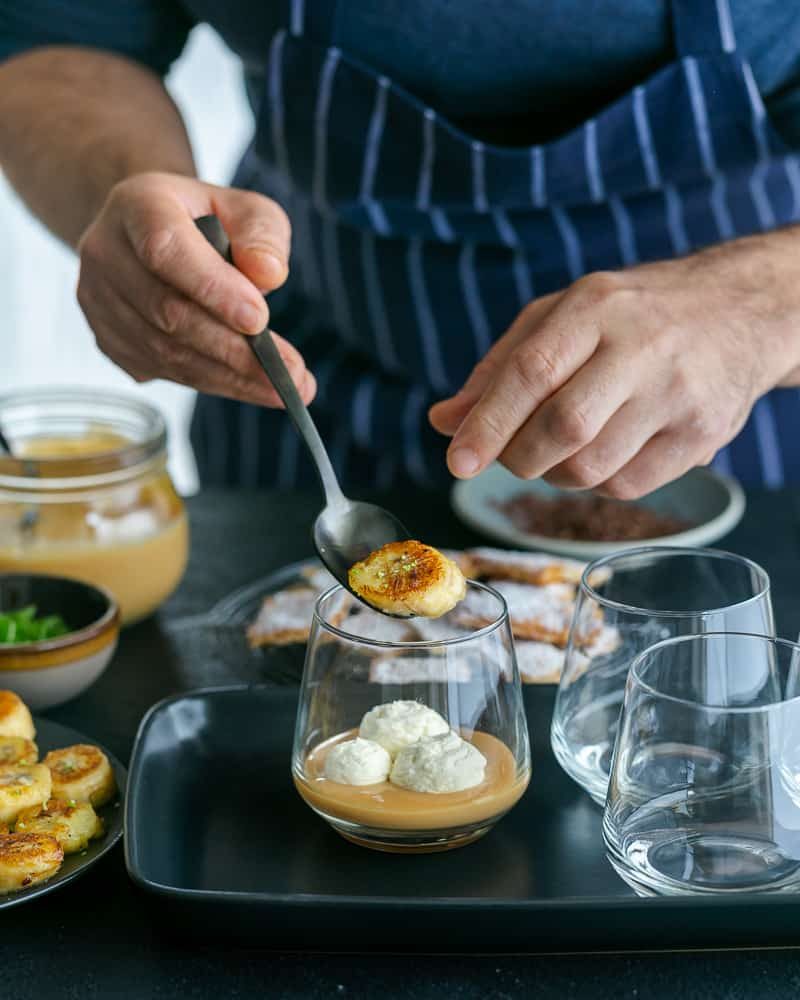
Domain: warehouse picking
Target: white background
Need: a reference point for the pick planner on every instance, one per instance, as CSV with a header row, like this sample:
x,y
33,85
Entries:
x,y
45,339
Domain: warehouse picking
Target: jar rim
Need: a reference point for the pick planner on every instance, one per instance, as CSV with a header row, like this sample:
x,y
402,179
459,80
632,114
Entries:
x,y
144,442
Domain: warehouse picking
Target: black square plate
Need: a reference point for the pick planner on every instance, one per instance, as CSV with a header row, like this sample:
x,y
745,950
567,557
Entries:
x,y
215,829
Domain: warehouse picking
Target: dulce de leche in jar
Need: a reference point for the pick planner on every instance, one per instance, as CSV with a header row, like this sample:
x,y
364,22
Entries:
x,y
86,494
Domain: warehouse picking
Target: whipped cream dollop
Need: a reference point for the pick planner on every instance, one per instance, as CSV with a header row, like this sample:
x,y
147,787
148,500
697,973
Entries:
x,y
357,762
398,724
441,763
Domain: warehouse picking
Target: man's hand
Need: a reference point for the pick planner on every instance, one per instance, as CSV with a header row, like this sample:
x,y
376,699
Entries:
x,y
626,380
163,304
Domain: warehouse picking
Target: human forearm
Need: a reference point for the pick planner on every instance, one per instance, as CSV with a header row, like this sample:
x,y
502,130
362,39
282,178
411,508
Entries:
x,y
97,149
754,281
781,277
74,122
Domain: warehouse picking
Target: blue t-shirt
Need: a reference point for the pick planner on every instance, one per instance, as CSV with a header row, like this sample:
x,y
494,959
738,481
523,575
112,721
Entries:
x,y
526,72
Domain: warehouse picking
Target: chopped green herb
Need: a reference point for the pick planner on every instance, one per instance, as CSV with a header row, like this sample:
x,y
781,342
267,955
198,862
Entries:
x,y
24,626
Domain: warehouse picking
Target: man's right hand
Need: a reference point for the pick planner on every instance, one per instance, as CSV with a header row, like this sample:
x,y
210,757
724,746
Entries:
x,y
163,304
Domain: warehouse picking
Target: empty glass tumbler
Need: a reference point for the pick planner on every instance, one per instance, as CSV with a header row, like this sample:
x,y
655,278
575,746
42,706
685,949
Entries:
x,y
704,795
626,603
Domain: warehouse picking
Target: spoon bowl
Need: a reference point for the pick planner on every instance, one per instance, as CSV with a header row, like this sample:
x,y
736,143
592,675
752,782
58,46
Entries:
x,y
344,533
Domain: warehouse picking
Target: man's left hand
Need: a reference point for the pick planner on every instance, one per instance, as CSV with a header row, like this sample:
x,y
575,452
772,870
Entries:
x,y
627,379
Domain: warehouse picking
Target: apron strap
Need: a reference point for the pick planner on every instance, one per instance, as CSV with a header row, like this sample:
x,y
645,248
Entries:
x,y
703,27
314,19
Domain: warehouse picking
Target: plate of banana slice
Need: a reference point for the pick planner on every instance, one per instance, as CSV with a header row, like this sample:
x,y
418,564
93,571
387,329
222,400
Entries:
x,y
60,803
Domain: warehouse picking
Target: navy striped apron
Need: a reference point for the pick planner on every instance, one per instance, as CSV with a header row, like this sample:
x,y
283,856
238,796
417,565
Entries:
x,y
415,246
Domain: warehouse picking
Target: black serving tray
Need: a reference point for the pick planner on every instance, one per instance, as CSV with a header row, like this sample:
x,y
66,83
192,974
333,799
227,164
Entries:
x,y
216,832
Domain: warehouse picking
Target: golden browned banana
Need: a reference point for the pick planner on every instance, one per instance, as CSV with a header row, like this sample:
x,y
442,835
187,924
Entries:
x,y
15,718
27,858
408,578
22,786
18,750
73,824
83,773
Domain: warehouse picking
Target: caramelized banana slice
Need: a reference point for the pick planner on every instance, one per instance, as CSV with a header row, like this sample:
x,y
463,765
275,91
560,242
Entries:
x,y
15,719
22,786
27,858
73,824
18,750
82,773
408,578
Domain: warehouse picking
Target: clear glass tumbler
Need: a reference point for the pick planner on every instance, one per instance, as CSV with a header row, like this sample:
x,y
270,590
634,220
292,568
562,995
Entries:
x,y
704,795
626,603
469,677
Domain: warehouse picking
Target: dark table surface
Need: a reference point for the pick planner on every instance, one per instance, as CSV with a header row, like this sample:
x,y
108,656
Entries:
x,y
96,938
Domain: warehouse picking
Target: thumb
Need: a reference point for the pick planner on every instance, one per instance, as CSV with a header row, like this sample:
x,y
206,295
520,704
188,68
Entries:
x,y
260,235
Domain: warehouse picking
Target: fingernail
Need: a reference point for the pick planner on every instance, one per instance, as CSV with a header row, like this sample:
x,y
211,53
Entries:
x,y
464,462
273,265
249,318
274,261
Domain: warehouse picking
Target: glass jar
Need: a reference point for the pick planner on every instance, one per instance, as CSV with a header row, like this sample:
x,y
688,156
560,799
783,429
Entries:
x,y
86,494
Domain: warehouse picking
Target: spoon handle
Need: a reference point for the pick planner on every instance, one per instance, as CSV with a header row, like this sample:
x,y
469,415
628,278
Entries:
x,y
270,360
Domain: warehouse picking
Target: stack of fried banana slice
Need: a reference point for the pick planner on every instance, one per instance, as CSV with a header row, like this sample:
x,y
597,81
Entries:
x,y
47,808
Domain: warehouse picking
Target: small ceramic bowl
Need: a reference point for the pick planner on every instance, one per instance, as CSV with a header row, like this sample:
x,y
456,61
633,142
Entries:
x,y
51,671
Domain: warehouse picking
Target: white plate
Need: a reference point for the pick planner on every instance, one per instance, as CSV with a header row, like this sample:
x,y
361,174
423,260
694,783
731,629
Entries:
x,y
712,503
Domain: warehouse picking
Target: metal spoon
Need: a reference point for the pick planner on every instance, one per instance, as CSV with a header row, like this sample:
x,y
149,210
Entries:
x,y
346,530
